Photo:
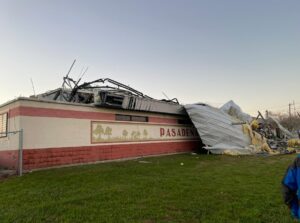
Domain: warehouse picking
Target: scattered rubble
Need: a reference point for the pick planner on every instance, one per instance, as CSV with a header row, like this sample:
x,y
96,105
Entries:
x,y
229,130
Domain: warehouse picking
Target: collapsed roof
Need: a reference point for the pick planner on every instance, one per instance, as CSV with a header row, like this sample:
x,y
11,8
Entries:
x,y
105,92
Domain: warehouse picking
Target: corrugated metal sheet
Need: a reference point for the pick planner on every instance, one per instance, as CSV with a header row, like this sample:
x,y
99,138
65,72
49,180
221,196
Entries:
x,y
217,131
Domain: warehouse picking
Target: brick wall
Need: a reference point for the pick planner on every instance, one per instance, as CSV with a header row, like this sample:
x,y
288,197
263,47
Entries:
x,y
42,158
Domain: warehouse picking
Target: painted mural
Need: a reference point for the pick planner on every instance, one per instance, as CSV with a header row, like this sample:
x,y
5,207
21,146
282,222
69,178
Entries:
x,y
127,132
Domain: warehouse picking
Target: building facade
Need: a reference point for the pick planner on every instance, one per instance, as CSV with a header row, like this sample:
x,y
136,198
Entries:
x,y
60,133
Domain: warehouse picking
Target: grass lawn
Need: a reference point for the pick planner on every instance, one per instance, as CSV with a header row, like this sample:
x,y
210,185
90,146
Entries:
x,y
206,188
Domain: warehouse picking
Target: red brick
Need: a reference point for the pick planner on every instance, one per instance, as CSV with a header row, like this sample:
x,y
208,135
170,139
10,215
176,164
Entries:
x,y
40,158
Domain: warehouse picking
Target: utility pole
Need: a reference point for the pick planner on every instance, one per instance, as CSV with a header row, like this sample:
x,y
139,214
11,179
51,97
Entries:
x,y
294,108
290,117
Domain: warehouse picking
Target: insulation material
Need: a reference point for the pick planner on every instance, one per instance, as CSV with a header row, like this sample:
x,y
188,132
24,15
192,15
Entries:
x,y
258,142
234,110
294,143
254,124
221,135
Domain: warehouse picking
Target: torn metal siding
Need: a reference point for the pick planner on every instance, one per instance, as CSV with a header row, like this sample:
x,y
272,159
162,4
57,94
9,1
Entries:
x,y
144,104
216,129
114,95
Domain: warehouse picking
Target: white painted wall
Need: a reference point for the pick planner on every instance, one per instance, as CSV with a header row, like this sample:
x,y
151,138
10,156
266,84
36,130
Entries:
x,y
11,142
52,132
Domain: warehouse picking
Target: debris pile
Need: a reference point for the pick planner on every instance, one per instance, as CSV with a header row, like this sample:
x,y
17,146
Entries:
x,y
229,130
105,92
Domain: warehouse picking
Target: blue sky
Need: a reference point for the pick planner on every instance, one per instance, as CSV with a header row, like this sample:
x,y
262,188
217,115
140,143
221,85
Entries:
x,y
198,51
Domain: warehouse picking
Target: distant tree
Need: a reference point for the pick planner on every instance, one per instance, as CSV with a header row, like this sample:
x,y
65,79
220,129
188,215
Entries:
x,y
292,123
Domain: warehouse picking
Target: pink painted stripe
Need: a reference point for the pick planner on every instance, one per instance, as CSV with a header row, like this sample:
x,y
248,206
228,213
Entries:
x,y
63,113
58,113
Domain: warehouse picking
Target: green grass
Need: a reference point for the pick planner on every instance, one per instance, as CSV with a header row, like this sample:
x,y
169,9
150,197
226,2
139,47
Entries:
x,y
205,189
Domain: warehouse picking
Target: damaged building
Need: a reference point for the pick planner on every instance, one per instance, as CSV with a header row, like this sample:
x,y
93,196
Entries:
x,y
107,120
91,122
